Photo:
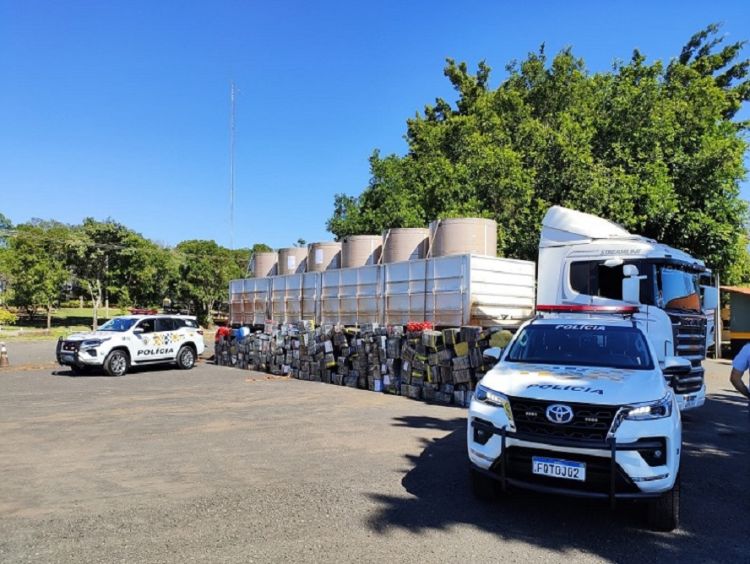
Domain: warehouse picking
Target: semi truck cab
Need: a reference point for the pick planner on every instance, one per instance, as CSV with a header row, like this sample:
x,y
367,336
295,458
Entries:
x,y
587,260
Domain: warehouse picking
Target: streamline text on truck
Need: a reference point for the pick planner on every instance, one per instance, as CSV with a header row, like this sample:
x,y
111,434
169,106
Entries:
x,y
587,260
579,405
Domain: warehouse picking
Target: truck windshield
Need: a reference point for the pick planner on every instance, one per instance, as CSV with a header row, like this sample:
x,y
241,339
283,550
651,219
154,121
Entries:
x,y
119,324
582,345
678,289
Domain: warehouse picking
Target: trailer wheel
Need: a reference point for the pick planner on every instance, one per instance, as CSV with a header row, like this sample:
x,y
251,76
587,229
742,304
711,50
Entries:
x,y
664,511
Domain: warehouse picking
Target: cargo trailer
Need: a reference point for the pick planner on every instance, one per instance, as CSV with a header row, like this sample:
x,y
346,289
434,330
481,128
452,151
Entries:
x,y
448,291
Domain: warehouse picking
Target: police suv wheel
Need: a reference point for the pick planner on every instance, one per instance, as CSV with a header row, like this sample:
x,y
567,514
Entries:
x,y
664,511
186,358
484,487
116,363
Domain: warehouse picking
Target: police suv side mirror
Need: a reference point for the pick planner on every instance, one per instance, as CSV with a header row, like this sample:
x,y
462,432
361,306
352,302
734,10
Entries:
x,y
676,366
137,330
491,355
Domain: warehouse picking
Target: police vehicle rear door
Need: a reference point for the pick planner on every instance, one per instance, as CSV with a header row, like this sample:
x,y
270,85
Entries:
x,y
164,337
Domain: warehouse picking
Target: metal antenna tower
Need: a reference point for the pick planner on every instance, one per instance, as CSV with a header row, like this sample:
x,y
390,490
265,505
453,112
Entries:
x,y
232,94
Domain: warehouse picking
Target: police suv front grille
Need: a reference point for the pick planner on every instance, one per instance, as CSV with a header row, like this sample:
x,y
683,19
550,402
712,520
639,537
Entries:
x,y
71,346
589,423
689,331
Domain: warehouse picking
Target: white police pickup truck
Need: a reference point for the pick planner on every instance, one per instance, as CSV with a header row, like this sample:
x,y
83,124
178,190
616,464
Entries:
x,y
134,340
578,405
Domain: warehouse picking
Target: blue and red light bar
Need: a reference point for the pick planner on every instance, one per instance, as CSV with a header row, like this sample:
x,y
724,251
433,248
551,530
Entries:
x,y
575,308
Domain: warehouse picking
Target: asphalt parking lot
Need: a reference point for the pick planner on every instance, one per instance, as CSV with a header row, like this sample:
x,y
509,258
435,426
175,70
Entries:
x,y
218,464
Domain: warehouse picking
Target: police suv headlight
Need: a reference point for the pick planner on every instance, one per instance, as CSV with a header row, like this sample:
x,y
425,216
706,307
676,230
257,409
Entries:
x,y
650,410
491,397
92,343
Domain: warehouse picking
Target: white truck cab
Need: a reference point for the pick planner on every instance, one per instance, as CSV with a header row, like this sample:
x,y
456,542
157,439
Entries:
x,y
587,260
131,340
578,404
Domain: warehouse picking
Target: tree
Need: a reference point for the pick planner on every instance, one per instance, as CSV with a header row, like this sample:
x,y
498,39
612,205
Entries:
x,y
260,248
37,266
651,146
5,229
242,257
204,274
114,263
151,275
5,226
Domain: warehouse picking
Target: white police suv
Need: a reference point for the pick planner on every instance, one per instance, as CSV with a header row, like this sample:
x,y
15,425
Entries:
x,y
578,405
134,340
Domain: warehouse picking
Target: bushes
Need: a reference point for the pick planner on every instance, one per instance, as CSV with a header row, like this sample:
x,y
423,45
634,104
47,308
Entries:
x,y
7,317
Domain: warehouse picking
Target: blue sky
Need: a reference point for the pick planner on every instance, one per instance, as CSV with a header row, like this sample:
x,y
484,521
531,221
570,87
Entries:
x,y
121,109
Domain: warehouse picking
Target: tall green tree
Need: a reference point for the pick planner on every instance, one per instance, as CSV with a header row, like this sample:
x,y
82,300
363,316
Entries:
x,y
37,265
5,226
5,230
204,273
653,146
152,274
116,264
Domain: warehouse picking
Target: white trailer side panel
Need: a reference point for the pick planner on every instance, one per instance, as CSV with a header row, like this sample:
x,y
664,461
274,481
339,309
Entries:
x,y
447,299
459,290
502,291
256,300
449,291
310,296
286,298
351,296
404,291
235,301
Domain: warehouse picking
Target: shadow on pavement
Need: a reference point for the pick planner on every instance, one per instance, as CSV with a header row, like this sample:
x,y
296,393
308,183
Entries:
x,y
99,372
715,502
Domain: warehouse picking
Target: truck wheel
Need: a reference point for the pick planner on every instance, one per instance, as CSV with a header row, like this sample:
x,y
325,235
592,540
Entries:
x,y
483,487
185,358
116,363
664,511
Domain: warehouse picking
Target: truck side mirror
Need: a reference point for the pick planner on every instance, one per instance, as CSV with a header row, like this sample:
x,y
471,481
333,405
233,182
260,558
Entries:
x,y
631,284
710,297
676,366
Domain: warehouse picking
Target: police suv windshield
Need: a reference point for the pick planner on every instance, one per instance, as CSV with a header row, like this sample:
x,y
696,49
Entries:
x,y
119,324
582,345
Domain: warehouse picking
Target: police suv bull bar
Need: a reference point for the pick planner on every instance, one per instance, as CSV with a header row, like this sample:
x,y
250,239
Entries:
x,y
610,444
